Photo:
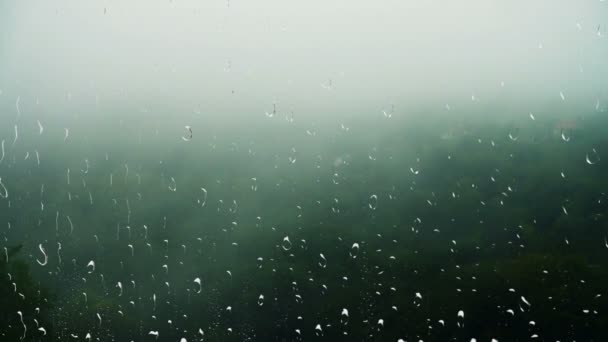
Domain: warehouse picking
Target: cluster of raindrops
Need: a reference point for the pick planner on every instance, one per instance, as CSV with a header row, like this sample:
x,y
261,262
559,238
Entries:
x,y
381,228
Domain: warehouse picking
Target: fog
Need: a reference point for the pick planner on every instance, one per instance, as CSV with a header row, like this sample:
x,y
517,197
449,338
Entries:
x,y
280,170
232,59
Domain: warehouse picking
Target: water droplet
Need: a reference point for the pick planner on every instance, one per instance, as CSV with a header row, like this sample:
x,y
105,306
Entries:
x,y
590,158
354,250
373,202
91,266
286,243
173,185
46,258
198,282
323,261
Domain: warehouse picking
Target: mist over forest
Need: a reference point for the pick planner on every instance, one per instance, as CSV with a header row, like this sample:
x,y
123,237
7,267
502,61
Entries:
x,y
303,170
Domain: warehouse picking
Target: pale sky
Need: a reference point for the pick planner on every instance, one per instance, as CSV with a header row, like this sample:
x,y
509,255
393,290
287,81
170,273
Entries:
x,y
241,56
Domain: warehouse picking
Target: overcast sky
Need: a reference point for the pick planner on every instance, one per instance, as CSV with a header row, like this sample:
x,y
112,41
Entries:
x,y
310,56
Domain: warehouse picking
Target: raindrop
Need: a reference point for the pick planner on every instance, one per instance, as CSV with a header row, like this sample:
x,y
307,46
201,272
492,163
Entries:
x,y
204,200
16,136
23,323
318,329
198,282
593,157
286,243
91,266
17,106
173,185
323,261
373,202
188,135
46,258
354,250
5,195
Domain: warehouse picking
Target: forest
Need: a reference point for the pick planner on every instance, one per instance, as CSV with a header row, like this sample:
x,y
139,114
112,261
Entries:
x,y
438,229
